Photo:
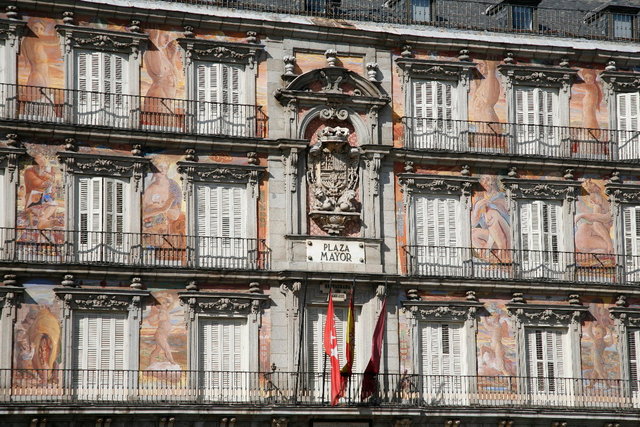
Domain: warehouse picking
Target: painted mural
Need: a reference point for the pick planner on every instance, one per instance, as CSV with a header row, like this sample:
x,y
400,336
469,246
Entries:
x,y
163,334
40,62
593,221
495,342
162,202
600,358
37,336
490,221
486,97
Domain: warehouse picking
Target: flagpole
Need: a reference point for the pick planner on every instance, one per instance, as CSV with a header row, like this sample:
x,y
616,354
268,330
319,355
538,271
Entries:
x,y
301,325
324,359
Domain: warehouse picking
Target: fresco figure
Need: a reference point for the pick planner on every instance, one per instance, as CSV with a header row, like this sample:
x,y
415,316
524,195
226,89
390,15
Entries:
x,y
38,345
493,355
162,204
161,336
160,65
40,208
490,219
600,334
591,100
593,221
486,94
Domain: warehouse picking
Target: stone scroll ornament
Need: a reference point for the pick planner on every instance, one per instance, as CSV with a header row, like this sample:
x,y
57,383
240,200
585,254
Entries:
x,y
333,180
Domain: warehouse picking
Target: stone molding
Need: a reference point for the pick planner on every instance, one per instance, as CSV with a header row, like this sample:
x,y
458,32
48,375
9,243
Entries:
x,y
221,303
541,189
435,70
105,165
437,184
531,75
546,314
623,193
620,81
103,299
222,173
101,39
10,158
219,51
443,310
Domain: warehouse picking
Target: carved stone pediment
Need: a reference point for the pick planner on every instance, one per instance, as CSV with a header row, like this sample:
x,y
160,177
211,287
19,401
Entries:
x,y
333,179
94,164
437,184
443,310
333,86
531,75
627,316
436,70
220,51
623,193
103,299
547,314
221,303
101,39
622,81
11,30
541,188
221,172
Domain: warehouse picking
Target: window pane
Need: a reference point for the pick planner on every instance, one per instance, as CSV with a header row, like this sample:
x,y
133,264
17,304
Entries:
x,y
522,18
622,26
421,10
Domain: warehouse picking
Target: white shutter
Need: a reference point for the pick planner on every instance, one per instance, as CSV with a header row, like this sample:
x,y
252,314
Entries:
x,y
436,219
441,348
3,65
633,338
221,345
628,111
100,342
221,210
546,353
540,225
631,219
535,106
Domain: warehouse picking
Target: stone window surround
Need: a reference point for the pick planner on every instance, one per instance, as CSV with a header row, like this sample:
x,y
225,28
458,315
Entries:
x,y
618,82
537,76
132,167
462,312
75,37
11,31
103,300
459,72
518,189
245,54
567,316
225,173
426,184
198,305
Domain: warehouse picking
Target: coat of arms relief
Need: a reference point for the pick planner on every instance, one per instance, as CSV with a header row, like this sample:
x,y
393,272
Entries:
x,y
333,178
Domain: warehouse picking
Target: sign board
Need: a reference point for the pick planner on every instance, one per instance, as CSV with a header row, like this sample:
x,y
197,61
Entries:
x,y
345,252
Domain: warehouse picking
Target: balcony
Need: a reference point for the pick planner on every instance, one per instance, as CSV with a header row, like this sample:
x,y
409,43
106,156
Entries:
x,y
528,265
463,136
109,110
547,19
35,246
395,391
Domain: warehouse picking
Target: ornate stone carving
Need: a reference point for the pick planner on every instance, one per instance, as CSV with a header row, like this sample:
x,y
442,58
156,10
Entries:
x,y
11,29
220,172
334,112
279,422
101,39
546,314
216,50
131,167
442,310
333,180
541,189
10,157
436,184
332,57
372,71
101,299
435,70
620,81
623,193
540,76
289,66
205,302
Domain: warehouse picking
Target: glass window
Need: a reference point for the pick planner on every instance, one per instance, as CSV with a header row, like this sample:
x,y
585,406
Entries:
x,y
522,18
622,26
421,10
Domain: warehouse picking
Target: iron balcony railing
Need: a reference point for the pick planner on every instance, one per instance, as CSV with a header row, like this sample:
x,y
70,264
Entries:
x,y
112,110
444,261
36,246
546,19
139,388
464,136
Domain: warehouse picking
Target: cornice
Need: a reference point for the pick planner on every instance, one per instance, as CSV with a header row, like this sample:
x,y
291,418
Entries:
x,y
547,313
220,51
101,39
541,189
105,165
220,172
109,299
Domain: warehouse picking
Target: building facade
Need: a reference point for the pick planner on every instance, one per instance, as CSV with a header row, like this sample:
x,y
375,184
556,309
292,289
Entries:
x,y
182,185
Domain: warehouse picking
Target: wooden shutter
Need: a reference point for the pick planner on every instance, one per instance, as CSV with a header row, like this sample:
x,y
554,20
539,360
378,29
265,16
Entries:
x,y
100,341
441,348
102,204
436,220
540,225
535,106
218,82
546,353
222,340
633,337
221,210
628,111
432,100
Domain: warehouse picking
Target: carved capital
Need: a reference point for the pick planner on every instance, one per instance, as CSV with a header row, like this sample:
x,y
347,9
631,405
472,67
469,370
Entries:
x,y
11,30
9,157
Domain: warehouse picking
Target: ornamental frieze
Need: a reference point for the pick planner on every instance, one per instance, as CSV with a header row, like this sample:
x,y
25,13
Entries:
x,y
525,314
443,310
621,81
539,76
541,189
437,184
219,51
436,70
623,193
221,303
101,299
91,164
333,178
101,39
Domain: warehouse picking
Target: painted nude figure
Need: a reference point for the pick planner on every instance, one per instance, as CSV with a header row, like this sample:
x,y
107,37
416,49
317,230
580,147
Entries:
x,y
162,315
593,229
160,65
490,219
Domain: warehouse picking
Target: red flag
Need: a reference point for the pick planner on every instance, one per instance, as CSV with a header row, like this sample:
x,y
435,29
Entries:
x,y
349,347
331,349
369,380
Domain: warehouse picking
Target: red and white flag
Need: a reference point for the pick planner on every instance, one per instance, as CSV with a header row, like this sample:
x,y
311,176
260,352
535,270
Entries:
x,y
331,349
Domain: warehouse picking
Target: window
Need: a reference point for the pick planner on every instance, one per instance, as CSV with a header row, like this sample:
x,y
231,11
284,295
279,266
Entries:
x,y
101,84
622,26
219,95
633,338
421,10
628,121
541,231
433,112
221,225
522,17
442,351
5,93
437,233
546,361
99,358
536,112
102,218
223,357
631,221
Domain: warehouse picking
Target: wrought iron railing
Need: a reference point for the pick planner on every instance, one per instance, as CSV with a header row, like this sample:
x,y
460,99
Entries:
x,y
36,246
136,388
515,264
547,19
112,110
464,136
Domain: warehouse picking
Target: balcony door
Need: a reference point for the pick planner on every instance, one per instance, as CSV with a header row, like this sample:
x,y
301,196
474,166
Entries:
x,y
99,363
221,217
628,120
431,125
223,359
548,366
219,95
100,234
436,250
536,114
633,339
631,220
442,364
541,239
101,88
